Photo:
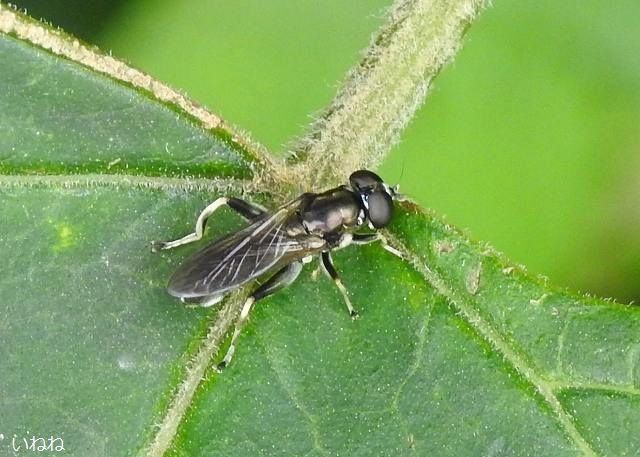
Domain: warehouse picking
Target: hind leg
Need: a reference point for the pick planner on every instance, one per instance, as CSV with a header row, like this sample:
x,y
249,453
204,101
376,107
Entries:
x,y
202,302
247,210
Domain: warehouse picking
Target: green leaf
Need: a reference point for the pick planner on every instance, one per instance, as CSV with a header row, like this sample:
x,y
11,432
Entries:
x,y
457,352
58,118
90,343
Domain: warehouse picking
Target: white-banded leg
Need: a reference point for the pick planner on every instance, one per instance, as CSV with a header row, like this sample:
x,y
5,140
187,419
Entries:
x,y
327,263
202,302
282,278
367,238
247,210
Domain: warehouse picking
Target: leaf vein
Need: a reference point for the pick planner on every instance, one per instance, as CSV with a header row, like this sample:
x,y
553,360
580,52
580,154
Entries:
x,y
57,42
194,374
73,181
495,339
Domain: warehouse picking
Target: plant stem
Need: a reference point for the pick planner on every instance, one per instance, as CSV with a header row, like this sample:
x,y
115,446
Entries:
x,y
382,93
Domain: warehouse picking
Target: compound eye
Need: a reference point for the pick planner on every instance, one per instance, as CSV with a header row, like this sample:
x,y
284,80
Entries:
x,y
363,179
380,208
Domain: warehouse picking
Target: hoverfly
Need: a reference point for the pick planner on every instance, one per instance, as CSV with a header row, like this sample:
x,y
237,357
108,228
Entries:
x,y
280,242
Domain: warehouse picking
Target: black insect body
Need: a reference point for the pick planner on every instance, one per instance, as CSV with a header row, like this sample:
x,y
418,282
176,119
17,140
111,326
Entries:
x,y
281,242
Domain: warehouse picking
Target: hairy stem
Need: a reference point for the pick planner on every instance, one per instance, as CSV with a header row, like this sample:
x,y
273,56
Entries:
x,y
382,93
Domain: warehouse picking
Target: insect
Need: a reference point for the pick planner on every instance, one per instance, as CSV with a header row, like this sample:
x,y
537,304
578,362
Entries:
x,y
280,242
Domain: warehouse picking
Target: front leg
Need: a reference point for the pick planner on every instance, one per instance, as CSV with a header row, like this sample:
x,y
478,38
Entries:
x,y
366,238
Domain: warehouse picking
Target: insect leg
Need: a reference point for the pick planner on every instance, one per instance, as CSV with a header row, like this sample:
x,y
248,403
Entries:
x,y
250,211
245,209
282,278
202,302
327,263
366,238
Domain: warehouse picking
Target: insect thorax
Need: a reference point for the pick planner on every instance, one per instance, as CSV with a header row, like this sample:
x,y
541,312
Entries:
x,y
330,211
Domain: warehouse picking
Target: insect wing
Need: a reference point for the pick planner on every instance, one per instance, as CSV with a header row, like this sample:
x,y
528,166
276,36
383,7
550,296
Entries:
x,y
236,258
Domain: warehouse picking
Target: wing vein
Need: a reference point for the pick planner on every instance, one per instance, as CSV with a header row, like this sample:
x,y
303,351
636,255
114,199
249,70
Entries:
x,y
242,256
